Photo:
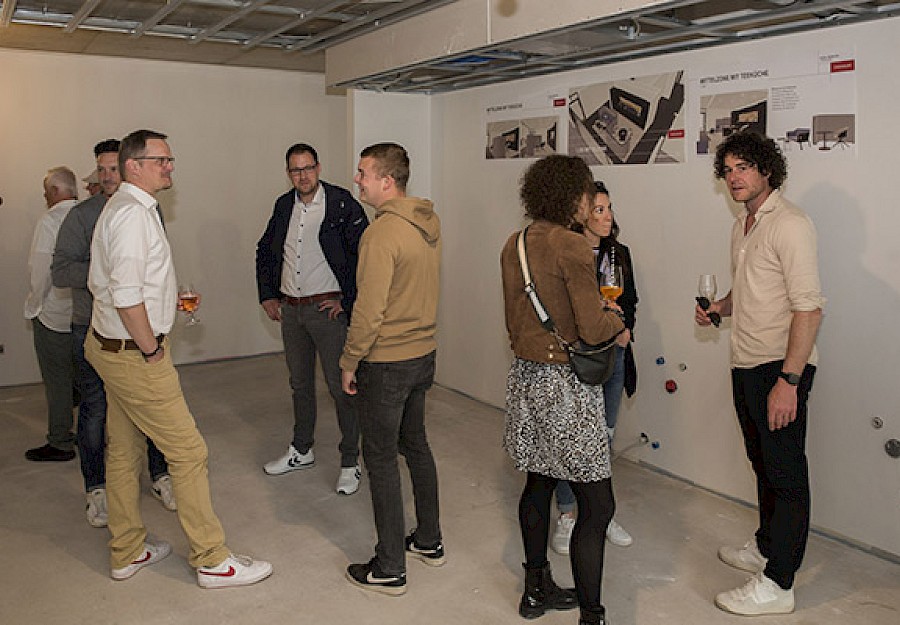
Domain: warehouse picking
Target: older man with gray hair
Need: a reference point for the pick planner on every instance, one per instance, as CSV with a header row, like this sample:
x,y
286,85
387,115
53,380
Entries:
x,y
50,311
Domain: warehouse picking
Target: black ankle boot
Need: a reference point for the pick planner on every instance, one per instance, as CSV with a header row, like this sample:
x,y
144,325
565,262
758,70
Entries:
x,y
593,617
542,594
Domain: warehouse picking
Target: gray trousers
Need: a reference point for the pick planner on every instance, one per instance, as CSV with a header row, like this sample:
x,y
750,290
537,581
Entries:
x,y
54,354
307,331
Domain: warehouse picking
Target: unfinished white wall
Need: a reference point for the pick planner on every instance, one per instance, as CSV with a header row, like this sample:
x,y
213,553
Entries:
x,y
676,220
229,129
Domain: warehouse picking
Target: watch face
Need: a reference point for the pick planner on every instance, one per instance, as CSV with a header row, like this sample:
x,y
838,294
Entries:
x,y
791,378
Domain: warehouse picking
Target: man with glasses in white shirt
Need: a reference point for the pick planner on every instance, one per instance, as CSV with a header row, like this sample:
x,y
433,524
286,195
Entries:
x,y
133,281
306,276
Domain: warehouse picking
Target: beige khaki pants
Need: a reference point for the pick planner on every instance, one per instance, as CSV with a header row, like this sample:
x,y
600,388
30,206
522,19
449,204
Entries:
x,y
146,399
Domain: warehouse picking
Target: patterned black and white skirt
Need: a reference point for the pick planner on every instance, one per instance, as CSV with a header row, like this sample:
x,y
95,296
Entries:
x,y
555,425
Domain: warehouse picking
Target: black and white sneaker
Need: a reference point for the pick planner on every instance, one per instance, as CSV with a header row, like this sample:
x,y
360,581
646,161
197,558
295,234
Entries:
x,y
432,556
371,577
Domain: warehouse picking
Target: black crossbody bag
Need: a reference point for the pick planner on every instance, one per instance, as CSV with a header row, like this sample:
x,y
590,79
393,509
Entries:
x,y
592,364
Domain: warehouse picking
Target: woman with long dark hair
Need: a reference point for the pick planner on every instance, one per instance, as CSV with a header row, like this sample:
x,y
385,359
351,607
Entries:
x,y
602,231
555,427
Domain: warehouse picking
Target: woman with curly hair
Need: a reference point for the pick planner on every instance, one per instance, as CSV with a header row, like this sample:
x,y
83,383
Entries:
x,y
555,427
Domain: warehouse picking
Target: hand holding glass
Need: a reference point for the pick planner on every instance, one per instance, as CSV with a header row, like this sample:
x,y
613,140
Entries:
x,y
189,301
707,289
611,285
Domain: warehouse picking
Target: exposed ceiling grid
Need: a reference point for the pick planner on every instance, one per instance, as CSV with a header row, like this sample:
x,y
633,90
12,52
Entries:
x,y
291,34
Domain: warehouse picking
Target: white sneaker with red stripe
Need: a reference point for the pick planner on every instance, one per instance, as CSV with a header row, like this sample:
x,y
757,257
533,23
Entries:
x,y
235,570
154,551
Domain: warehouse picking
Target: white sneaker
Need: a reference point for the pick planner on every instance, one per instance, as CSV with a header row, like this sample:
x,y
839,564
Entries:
x,y
760,595
617,535
162,490
291,461
563,534
348,481
154,551
747,558
235,570
97,514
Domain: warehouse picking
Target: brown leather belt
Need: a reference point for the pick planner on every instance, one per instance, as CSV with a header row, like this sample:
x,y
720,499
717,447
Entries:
x,y
312,299
117,345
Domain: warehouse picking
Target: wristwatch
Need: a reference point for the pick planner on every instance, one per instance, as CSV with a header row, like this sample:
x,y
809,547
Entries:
x,y
791,378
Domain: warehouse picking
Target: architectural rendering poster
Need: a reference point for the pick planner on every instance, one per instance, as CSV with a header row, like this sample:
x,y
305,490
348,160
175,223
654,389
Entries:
x,y
527,128
807,105
629,121
534,137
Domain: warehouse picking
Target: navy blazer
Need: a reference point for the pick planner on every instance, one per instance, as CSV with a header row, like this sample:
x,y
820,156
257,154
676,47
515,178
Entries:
x,y
339,236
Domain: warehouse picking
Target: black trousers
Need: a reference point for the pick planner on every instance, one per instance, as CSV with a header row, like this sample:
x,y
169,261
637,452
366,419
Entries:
x,y
596,506
779,461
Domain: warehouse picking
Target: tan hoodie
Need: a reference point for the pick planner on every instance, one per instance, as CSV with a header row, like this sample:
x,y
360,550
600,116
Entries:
x,y
395,314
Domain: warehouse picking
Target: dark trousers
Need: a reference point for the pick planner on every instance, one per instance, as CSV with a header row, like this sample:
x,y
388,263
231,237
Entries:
x,y
54,356
779,461
392,421
596,507
306,330
92,421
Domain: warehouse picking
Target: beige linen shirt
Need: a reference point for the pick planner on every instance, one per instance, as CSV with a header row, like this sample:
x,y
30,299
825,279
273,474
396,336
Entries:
x,y
774,274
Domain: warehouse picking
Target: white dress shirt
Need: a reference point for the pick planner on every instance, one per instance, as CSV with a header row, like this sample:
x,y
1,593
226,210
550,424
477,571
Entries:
x,y
131,263
305,271
51,305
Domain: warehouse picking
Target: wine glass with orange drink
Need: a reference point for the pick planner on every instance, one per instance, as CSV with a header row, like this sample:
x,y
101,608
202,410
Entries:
x,y
189,301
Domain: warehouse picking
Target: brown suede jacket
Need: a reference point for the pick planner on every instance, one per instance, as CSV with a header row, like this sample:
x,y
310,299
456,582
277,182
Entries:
x,y
564,272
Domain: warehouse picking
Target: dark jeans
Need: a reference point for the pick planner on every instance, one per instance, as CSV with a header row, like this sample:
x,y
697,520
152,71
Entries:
x,y
92,421
596,507
779,461
305,331
54,355
392,420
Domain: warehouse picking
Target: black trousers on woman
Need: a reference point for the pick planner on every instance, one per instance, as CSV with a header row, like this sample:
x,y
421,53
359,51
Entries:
x,y
596,507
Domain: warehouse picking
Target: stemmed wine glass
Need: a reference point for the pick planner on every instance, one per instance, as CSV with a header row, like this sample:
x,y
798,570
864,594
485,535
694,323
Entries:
x,y
611,285
188,301
707,289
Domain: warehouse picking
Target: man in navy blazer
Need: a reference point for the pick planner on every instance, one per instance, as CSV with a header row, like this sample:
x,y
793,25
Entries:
x,y
306,277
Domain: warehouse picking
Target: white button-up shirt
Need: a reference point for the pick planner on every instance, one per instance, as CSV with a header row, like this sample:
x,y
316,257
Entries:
x,y
305,270
51,305
131,263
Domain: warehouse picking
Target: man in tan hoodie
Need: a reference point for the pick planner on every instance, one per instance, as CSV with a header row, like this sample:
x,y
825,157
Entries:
x,y
389,359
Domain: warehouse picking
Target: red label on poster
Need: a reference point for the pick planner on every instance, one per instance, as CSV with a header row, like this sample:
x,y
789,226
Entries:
x,y
843,66
559,102
675,134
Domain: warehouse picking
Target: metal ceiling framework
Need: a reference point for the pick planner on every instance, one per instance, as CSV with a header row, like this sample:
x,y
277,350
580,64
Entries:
x,y
301,26
305,30
661,29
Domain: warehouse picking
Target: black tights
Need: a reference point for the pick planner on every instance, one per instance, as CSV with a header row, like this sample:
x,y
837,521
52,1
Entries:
x,y
596,506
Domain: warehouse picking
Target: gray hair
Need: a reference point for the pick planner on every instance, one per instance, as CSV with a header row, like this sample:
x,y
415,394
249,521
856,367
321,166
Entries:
x,y
62,179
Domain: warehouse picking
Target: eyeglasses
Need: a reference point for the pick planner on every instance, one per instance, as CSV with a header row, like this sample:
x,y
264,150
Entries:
x,y
299,171
740,168
162,161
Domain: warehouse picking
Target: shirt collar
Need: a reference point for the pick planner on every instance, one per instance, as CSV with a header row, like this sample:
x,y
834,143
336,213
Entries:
x,y
771,203
318,198
139,194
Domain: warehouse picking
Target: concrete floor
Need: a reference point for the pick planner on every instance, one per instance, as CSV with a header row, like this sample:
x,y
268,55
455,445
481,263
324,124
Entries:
x,y
55,567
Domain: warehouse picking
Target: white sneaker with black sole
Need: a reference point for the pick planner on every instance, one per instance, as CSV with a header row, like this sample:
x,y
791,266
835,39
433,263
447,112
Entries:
x,y
348,480
234,571
293,460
